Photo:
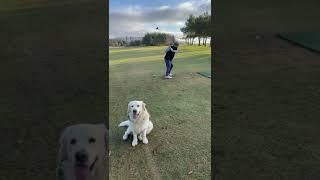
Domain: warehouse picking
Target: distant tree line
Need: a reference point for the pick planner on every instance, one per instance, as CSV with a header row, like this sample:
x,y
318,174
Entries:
x,y
117,42
150,39
157,39
197,27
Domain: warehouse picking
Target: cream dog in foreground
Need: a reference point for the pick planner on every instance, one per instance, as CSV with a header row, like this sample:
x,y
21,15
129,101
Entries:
x,y
82,154
138,122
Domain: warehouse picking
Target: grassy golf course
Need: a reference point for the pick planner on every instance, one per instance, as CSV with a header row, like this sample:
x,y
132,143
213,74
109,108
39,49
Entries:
x,y
180,108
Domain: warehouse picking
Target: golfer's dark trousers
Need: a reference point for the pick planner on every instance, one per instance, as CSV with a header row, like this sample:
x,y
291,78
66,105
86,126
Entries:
x,y
169,66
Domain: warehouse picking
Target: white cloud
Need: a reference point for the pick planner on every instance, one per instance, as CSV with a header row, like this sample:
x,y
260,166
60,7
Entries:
x,y
164,7
136,20
180,23
133,10
186,6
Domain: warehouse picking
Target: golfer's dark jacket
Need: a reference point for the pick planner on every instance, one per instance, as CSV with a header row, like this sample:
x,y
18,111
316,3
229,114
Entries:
x,y
170,54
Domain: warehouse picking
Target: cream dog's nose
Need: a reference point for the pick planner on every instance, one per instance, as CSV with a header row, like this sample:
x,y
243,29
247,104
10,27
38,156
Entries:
x,y
81,156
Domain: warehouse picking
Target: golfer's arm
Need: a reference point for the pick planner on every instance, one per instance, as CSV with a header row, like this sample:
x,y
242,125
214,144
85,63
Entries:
x,y
175,51
168,49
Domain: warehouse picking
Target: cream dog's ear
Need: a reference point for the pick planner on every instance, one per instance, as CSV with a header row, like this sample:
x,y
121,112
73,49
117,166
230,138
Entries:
x,y
63,154
105,134
128,108
143,105
104,130
106,146
106,138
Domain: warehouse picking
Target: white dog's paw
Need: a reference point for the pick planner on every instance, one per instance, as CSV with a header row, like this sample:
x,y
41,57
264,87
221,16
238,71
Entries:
x,y
125,137
140,138
145,141
134,143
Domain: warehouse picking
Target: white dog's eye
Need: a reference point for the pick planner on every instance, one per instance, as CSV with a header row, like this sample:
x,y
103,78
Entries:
x,y
132,106
138,105
73,141
92,140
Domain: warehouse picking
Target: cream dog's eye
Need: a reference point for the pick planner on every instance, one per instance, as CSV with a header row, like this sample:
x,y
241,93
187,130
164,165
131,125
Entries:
x,y
73,141
138,105
92,140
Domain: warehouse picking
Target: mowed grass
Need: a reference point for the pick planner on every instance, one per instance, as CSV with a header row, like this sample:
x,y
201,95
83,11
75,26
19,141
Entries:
x,y
180,108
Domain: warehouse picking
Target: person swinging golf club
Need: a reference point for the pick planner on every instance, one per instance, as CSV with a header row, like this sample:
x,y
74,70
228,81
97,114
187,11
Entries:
x,y
170,52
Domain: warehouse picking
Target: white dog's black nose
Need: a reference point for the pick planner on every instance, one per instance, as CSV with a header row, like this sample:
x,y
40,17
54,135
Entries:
x,y
134,111
81,156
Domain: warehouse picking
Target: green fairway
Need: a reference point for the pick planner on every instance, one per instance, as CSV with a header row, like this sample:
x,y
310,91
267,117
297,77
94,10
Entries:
x,y
180,108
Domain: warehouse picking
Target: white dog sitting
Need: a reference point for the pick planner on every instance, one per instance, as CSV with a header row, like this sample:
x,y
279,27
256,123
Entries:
x,y
138,122
82,154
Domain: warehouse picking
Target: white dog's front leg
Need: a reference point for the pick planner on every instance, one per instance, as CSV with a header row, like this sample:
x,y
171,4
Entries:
x,y
125,136
135,139
140,136
144,137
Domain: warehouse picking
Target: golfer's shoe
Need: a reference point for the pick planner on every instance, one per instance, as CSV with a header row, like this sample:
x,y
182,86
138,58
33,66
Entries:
x,y
168,77
170,74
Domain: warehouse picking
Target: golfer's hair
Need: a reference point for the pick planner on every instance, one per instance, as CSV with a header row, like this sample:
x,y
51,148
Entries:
x,y
176,43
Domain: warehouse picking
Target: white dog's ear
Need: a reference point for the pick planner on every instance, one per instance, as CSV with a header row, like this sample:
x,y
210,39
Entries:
x,y
63,154
103,126
106,139
143,105
105,133
106,145
128,108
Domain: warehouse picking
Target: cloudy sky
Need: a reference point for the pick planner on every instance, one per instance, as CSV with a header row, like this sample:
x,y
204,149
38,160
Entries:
x,y
137,17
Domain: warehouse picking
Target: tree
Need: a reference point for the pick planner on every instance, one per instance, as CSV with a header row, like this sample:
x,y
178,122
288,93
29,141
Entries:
x,y
197,27
204,25
135,43
117,42
157,39
188,30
